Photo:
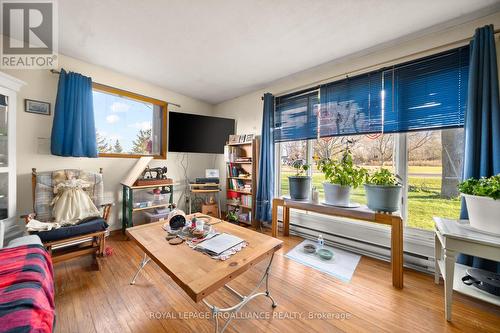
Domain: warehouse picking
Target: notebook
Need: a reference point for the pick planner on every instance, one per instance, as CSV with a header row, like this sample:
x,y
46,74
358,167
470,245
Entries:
x,y
218,244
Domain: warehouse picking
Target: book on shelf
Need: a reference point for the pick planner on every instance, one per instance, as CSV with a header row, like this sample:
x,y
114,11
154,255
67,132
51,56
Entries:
x,y
243,159
246,200
232,170
236,184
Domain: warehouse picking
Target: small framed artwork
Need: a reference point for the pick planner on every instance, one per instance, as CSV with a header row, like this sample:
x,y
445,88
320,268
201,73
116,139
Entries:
x,y
233,138
37,107
249,138
242,139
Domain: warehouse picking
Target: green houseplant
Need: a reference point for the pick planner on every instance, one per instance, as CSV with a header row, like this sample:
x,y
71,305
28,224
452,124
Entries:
x,y
340,177
300,182
232,216
383,191
482,197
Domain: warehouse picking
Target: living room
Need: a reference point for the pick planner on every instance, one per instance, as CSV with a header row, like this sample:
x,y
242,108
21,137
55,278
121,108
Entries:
x,y
134,134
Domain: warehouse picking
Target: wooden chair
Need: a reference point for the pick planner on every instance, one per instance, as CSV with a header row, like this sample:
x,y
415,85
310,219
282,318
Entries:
x,y
82,244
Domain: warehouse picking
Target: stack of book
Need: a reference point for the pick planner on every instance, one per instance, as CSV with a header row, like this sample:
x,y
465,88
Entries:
x,y
236,184
243,159
246,200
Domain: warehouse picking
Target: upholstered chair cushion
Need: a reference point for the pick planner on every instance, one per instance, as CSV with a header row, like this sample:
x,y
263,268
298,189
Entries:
x,y
44,190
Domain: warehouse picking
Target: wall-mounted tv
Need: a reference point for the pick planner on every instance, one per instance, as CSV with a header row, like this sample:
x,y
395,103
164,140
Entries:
x,y
191,133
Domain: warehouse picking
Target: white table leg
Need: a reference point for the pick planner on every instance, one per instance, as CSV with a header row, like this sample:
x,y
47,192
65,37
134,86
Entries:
x,y
449,273
143,263
437,256
233,310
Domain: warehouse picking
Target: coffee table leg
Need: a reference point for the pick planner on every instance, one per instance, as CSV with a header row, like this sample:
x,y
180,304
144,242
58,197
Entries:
x,y
143,263
244,299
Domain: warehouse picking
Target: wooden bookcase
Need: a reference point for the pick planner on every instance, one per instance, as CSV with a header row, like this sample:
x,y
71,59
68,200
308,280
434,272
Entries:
x,y
251,167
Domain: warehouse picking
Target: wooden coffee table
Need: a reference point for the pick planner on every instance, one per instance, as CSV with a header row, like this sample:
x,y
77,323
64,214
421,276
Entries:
x,y
198,274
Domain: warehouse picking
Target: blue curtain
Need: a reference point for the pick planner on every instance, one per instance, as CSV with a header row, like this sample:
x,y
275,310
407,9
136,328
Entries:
x,y
482,123
73,128
265,186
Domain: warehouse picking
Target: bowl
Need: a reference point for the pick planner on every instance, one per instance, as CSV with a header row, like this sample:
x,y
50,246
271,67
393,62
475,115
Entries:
x,y
325,254
310,248
194,233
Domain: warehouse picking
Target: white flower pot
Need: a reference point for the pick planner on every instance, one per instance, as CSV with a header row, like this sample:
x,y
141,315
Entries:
x,y
484,213
337,195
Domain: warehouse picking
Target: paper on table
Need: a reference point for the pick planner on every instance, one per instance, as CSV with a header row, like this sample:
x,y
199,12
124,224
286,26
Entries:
x,y
218,244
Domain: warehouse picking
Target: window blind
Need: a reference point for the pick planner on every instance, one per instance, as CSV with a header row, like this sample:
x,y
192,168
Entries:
x,y
295,117
351,106
429,93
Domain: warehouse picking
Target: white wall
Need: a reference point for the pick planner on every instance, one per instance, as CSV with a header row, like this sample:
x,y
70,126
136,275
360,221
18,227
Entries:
x,y
33,133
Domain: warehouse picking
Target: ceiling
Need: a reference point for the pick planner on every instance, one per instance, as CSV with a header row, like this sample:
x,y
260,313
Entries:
x,y
220,49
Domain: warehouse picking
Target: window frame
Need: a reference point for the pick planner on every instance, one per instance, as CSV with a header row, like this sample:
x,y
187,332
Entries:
x,y
139,97
400,158
401,167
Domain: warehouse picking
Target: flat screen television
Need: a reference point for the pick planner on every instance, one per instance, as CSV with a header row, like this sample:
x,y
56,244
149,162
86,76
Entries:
x,y
191,133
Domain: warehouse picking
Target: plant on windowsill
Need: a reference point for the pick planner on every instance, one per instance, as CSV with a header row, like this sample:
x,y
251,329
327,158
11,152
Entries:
x,y
383,191
300,182
341,177
482,197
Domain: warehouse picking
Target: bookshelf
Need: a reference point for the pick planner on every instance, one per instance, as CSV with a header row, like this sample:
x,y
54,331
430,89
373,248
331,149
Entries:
x,y
241,179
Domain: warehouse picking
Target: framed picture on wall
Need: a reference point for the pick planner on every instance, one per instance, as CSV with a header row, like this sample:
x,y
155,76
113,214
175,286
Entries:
x,y
37,107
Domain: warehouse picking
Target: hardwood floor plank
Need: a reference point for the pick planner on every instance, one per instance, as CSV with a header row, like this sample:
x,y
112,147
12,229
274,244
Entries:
x,y
65,311
77,277
103,301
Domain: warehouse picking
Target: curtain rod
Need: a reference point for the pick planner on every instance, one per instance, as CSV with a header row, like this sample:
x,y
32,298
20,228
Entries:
x,y
316,84
53,71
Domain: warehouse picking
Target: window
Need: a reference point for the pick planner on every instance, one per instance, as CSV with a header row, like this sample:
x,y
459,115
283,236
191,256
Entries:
x,y
434,170
128,124
289,152
407,118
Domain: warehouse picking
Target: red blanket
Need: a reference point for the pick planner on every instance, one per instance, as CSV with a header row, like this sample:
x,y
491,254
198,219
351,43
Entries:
x,y
26,290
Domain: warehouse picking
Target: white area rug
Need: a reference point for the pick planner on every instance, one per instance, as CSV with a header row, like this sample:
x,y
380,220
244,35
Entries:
x,y
341,266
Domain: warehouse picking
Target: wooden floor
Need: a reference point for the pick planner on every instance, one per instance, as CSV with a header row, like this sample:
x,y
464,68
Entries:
x,y
90,301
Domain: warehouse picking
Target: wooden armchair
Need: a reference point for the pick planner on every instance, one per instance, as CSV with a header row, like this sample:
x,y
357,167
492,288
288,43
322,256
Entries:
x,y
72,241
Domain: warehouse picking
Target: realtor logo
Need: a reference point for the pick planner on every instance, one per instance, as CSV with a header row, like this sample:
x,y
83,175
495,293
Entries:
x,y
29,34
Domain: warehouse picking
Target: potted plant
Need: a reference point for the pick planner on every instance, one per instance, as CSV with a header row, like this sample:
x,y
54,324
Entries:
x,y
383,191
300,182
232,216
482,197
341,176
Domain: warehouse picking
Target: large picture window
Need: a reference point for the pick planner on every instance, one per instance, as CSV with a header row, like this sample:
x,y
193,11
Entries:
x,y
407,118
128,124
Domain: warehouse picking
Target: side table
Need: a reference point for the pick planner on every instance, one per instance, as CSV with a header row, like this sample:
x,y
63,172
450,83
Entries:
x,y
451,238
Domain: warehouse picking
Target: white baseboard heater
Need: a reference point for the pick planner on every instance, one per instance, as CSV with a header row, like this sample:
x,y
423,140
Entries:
x,y
411,260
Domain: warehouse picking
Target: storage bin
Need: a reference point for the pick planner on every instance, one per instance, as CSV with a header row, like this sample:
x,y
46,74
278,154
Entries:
x,y
153,216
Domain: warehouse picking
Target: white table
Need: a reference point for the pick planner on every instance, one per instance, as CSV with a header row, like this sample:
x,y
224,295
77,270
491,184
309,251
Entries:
x,y
456,236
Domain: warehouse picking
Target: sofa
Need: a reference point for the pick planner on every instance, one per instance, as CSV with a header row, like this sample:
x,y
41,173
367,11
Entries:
x,y
26,287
